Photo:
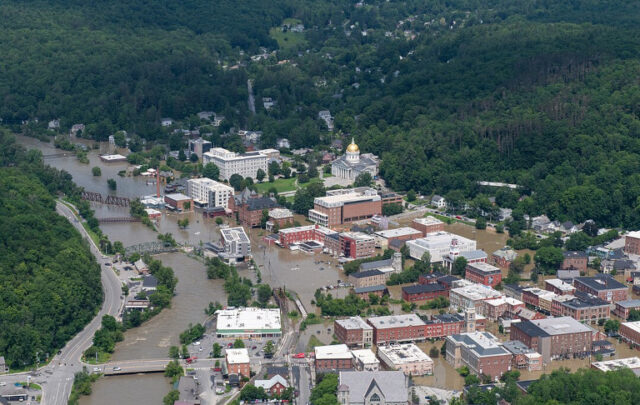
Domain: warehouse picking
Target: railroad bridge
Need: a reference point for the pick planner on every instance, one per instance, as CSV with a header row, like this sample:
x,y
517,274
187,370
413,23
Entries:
x,y
110,199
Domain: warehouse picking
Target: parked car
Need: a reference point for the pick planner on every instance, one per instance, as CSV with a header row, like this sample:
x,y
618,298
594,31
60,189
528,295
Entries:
x,y
117,369
298,356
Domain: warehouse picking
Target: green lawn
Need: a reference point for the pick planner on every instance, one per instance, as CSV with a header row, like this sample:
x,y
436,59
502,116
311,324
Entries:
x,y
287,39
103,357
281,185
32,386
94,236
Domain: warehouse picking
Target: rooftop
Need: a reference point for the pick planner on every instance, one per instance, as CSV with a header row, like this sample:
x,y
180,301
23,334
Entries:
x,y
366,356
279,213
632,363
367,273
600,282
584,300
332,352
516,347
635,326
392,384
349,196
250,318
355,322
484,267
575,254
480,343
237,356
376,264
473,254
629,303
423,288
370,289
236,234
477,292
178,197
552,326
398,232
395,321
428,220
560,285
438,239
404,353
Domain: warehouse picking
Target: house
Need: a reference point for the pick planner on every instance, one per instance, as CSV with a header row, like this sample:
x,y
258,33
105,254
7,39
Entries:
x,y
141,267
276,385
277,370
373,387
54,124
438,201
503,257
575,260
149,283
283,143
3,365
268,103
166,122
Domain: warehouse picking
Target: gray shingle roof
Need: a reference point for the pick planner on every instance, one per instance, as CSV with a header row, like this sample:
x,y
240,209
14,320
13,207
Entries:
x,y
392,384
368,273
375,265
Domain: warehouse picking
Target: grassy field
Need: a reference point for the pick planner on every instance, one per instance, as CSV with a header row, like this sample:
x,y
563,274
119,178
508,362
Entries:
x,y
287,39
281,185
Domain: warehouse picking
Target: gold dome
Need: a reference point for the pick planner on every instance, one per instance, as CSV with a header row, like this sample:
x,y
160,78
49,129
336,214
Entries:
x,y
353,147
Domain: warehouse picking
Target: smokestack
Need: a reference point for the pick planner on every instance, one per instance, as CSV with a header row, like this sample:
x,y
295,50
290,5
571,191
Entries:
x,y
158,182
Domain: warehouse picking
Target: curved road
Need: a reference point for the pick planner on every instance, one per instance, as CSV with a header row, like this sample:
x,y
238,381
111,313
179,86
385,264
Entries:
x,y
56,378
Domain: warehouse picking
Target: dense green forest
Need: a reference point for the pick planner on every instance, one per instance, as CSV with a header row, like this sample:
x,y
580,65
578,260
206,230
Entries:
x,y
540,93
49,281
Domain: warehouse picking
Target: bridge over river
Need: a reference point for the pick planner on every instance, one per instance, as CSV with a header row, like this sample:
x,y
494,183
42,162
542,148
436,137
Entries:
x,y
143,366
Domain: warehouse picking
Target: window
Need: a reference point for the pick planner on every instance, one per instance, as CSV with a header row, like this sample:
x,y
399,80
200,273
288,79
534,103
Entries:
x,y
375,398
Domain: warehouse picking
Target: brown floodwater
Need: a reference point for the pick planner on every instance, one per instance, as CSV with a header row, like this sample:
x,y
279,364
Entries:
x,y
148,389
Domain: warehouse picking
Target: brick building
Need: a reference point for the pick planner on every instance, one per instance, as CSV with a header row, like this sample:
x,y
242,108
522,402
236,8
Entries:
x,y
345,206
279,217
356,245
377,290
583,307
317,233
444,325
575,260
248,207
400,234
422,292
503,257
559,287
471,296
538,298
494,309
630,332
397,328
427,225
391,198
632,243
179,202
602,286
368,278
562,337
524,358
333,358
353,331
481,352
238,362
483,273
624,307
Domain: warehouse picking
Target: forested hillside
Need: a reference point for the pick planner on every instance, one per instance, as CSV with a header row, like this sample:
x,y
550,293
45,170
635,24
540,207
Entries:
x,y
540,93
49,281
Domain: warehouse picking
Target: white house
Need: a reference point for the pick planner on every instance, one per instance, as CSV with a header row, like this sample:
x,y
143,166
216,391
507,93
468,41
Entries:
x,y
438,201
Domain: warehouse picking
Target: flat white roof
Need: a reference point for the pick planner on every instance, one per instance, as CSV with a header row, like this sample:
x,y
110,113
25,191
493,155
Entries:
x,y
429,220
396,321
484,267
436,240
333,352
366,356
397,232
178,197
280,213
611,365
477,292
504,300
559,284
357,236
341,199
404,353
250,318
297,229
113,157
234,234
237,356
634,234
635,326
355,322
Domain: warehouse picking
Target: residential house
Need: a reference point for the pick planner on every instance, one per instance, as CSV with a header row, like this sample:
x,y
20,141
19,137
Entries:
x,y
275,385
438,201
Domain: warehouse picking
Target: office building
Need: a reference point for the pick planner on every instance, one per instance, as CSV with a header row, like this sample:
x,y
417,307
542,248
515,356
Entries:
x,y
407,358
553,338
230,163
472,296
238,362
438,245
397,328
630,332
365,360
602,286
353,331
481,352
427,225
345,205
199,147
483,273
236,242
333,358
209,193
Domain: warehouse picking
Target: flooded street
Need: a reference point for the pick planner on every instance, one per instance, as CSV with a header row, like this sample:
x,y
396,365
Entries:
x,y
148,389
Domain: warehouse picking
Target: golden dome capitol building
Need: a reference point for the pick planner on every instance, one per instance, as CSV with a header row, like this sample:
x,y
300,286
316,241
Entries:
x,y
351,164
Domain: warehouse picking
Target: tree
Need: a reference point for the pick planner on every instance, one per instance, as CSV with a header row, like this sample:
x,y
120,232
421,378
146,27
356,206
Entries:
x,y
174,352
193,158
96,171
481,223
391,209
611,325
590,228
211,171
264,294
238,344
411,196
251,393
235,181
219,221
217,350
260,175
434,352
364,179
184,351
173,369
269,348
549,259
273,168
183,223
181,155
264,218
459,266
112,184
578,241
527,258
171,397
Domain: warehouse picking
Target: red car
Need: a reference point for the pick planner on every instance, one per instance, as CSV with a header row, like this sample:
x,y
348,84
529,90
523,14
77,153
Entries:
x,y
298,356
191,359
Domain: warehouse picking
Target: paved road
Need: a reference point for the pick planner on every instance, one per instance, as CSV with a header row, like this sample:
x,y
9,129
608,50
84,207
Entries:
x,y
302,380
56,378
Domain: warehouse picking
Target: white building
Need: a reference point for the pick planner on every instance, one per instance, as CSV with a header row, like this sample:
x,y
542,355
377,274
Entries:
x,y
230,163
407,358
166,122
632,363
438,201
365,360
283,143
438,245
351,164
248,322
211,193
236,242
472,296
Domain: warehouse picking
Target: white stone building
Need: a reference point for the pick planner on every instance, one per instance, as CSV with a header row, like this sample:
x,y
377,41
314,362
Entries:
x,y
230,163
211,193
352,164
